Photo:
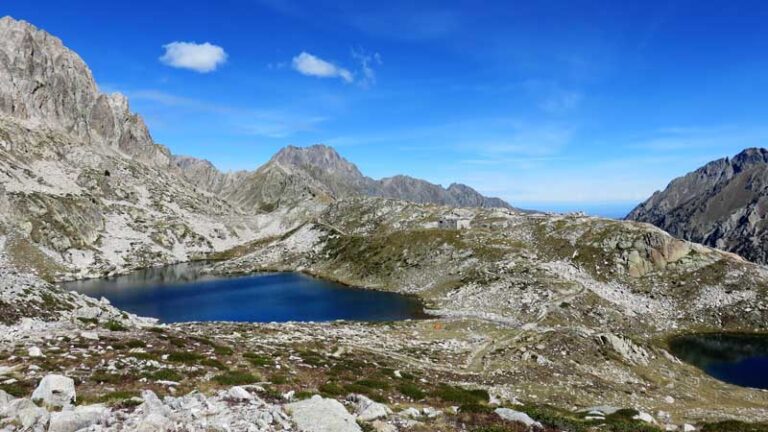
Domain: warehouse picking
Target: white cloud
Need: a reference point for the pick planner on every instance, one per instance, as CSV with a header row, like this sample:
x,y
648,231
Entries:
x,y
201,58
310,65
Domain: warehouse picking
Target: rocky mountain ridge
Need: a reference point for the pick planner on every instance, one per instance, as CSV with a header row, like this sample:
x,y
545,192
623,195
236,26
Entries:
x,y
44,84
722,204
319,172
84,189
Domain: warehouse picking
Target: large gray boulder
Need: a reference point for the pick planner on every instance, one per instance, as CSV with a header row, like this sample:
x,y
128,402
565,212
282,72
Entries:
x,y
77,419
322,415
368,410
55,391
5,399
26,413
517,416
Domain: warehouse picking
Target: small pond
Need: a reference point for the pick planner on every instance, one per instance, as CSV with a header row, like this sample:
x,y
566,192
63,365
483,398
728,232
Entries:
x,y
184,292
740,359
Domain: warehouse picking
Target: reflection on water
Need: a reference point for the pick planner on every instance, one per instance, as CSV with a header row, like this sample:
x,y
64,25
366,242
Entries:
x,y
184,292
740,359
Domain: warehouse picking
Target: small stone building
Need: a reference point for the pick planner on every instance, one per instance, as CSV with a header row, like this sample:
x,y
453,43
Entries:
x,y
454,223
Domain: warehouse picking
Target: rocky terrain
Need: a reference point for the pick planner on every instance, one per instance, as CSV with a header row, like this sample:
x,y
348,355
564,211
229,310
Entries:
x,y
318,173
539,322
722,204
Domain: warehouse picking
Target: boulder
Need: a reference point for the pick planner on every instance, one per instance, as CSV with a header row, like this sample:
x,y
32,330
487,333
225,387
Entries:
x,y
153,405
35,352
411,413
603,409
368,410
80,418
5,399
154,422
322,415
380,426
627,349
55,391
89,335
239,394
644,417
26,413
517,416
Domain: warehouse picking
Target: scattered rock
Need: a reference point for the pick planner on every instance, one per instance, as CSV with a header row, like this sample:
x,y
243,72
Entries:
x,y
380,426
55,391
80,418
412,413
322,415
239,393
644,417
368,410
89,335
27,413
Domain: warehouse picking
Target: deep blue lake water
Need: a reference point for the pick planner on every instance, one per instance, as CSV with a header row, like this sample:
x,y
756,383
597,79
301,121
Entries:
x,y
734,358
183,292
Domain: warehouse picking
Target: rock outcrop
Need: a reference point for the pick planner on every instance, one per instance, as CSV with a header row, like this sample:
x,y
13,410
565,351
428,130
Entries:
x,y
43,83
318,414
723,204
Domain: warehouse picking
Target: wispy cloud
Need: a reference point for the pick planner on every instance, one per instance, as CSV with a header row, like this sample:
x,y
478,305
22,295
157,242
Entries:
x,y
311,65
700,139
201,58
270,123
367,62
550,97
280,125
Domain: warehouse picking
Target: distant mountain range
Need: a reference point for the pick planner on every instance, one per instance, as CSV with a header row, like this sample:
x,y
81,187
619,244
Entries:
x,y
722,204
319,172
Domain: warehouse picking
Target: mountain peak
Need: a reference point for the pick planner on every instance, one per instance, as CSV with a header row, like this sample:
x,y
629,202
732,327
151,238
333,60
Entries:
x,y
722,204
44,83
317,156
751,156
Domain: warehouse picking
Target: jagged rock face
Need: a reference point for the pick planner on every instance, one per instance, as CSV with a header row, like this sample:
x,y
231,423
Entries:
x,y
43,83
320,174
723,204
83,188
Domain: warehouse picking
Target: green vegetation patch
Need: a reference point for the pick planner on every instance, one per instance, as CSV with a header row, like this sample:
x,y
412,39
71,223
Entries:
x,y
113,325
459,395
120,397
257,359
135,343
412,391
185,357
166,375
735,426
331,389
231,378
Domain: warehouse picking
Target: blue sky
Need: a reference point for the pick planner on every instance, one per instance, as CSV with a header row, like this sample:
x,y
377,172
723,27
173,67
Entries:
x,y
550,104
